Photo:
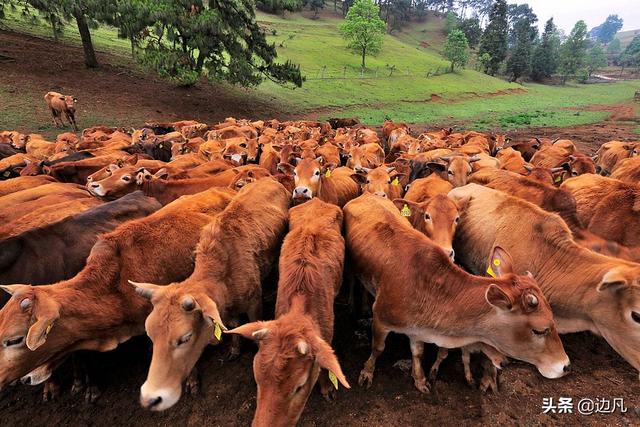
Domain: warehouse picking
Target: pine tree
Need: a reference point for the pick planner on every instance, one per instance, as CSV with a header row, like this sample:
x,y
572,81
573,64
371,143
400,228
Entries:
x,y
494,39
573,51
519,63
546,53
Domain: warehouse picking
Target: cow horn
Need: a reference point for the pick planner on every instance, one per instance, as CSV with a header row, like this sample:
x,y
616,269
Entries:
x,y
528,167
391,169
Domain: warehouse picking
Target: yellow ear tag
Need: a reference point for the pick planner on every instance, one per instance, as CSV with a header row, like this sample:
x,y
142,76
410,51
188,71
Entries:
x,y
405,210
333,379
217,332
160,146
558,178
395,181
497,263
77,145
6,173
46,332
328,173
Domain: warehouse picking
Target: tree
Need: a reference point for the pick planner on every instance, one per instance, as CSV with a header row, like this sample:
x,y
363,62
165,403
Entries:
x,y
606,31
519,63
472,30
596,59
631,54
278,6
314,5
450,22
573,51
546,53
456,49
494,39
363,29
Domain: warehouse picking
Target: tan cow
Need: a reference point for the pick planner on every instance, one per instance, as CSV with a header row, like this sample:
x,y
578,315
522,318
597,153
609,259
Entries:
x,y
60,104
235,253
297,344
587,291
429,299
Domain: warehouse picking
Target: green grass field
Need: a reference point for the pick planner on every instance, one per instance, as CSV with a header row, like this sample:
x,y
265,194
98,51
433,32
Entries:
x,y
463,97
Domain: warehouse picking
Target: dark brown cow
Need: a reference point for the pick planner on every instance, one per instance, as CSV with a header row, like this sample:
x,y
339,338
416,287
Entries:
x,y
508,312
297,344
235,253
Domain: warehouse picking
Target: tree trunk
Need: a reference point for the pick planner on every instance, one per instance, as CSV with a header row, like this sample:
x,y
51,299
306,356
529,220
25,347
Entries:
x,y
364,54
53,28
89,54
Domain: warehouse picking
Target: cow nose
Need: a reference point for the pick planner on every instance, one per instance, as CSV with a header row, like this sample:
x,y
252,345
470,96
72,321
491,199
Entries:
x,y
381,194
452,254
26,380
301,192
566,368
153,402
95,185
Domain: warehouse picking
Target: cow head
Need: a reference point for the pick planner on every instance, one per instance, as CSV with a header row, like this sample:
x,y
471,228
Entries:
x,y
70,103
287,365
455,169
382,181
308,175
180,326
247,175
359,157
236,152
121,181
436,218
578,165
19,140
522,324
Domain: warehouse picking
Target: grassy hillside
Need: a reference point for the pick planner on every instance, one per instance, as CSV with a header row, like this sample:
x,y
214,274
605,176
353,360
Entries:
x,y
626,37
336,87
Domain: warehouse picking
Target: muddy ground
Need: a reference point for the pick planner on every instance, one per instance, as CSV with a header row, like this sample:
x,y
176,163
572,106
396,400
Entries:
x,y
227,392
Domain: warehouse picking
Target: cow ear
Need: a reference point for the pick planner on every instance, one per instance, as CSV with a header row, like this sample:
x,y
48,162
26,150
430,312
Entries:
x,y
566,166
435,166
359,178
407,208
46,311
162,173
327,359
12,289
462,202
329,167
62,98
501,262
286,168
498,298
142,175
612,281
255,331
210,311
132,159
145,290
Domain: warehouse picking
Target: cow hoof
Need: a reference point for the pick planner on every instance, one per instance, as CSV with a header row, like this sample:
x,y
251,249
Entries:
x,y
489,382
366,378
50,392
421,385
329,394
92,394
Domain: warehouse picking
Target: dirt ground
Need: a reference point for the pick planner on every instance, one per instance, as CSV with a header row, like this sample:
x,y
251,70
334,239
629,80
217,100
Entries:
x,y
227,392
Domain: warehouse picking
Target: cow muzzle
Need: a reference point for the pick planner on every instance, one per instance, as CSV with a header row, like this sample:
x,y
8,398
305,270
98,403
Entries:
x,y
96,189
302,193
158,399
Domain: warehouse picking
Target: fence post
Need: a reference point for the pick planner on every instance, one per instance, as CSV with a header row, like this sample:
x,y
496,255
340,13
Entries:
x,y
344,73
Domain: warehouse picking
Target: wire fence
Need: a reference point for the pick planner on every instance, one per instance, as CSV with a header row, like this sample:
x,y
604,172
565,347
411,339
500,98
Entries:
x,y
348,73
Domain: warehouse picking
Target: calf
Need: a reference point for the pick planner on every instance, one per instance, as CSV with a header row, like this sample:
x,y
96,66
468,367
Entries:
x,y
428,298
97,309
60,104
235,253
297,344
587,291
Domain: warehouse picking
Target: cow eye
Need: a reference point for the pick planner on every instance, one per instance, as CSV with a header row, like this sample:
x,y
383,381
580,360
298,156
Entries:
x,y
243,145
635,316
540,333
298,388
450,172
317,173
185,338
457,220
574,173
389,181
350,156
126,178
427,217
368,181
13,341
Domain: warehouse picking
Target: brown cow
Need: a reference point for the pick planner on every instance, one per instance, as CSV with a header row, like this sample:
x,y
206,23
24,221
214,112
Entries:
x,y
587,291
508,312
297,344
365,156
423,189
627,170
607,207
130,178
60,104
329,185
97,309
235,253
23,183
382,181
610,154
455,169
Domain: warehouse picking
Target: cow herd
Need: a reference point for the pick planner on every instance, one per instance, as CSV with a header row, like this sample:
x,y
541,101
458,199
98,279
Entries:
x,y
461,239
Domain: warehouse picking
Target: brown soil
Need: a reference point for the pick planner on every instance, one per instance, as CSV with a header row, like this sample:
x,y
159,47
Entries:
x,y
227,395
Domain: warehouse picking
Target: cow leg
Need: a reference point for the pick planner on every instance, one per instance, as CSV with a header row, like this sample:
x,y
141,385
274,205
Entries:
x,y
466,362
234,350
79,372
419,380
72,121
192,384
54,114
433,373
489,379
51,389
377,347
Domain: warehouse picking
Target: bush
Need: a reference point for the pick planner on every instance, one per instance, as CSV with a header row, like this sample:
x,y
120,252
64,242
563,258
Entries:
x,y
171,65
